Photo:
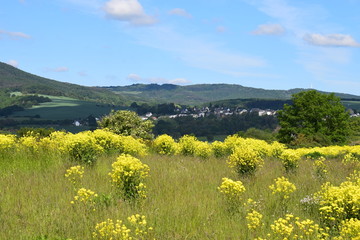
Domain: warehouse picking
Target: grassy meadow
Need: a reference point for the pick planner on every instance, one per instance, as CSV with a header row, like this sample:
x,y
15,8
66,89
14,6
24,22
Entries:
x,y
182,197
61,108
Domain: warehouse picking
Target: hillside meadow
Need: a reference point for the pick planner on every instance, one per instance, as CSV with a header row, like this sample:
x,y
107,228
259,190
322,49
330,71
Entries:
x,y
98,185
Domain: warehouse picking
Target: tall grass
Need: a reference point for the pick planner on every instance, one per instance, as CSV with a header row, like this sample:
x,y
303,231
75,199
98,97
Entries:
x,y
182,197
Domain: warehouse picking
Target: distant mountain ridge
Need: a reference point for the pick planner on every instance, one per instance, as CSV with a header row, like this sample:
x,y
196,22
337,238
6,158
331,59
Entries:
x,y
203,93
14,79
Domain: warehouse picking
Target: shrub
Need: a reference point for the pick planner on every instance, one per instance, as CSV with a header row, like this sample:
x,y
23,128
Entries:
x,y
187,145
127,175
290,160
165,145
282,187
245,161
232,192
338,203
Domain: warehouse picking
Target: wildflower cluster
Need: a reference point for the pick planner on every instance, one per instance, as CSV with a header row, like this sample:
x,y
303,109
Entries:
x,y
245,161
291,227
187,145
7,142
165,145
127,175
350,158
108,230
74,174
349,229
232,192
86,197
254,220
290,160
339,203
139,224
282,187
320,169
81,147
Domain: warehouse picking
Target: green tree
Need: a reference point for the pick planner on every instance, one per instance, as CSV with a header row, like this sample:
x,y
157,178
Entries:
x,y
127,123
314,119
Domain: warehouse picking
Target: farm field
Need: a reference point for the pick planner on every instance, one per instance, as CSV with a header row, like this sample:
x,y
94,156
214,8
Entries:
x,y
186,195
66,108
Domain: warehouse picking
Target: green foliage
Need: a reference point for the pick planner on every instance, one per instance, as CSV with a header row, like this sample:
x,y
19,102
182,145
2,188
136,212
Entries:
x,y
315,119
127,123
38,132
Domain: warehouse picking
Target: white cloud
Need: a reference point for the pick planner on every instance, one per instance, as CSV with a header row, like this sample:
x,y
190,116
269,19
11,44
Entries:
x,y
130,11
14,35
331,40
136,78
269,29
180,12
13,63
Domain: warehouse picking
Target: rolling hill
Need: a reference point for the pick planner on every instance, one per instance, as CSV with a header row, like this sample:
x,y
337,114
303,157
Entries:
x,y
203,93
15,80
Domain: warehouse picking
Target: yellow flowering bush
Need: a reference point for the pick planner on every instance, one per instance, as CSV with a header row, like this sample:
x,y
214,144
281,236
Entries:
x,y
86,197
81,147
291,227
282,187
165,145
276,149
139,224
320,168
7,142
74,174
254,220
108,230
127,175
350,158
339,203
349,229
187,145
244,160
219,149
232,192
290,160
203,150
29,142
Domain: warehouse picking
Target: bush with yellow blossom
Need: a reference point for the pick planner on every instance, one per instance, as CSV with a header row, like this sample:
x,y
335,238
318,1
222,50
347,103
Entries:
x,y
245,161
282,187
110,230
291,227
165,145
338,203
86,198
290,160
74,175
349,229
232,192
127,175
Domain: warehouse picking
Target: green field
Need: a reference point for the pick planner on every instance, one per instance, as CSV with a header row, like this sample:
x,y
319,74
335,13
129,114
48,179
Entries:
x,y
61,108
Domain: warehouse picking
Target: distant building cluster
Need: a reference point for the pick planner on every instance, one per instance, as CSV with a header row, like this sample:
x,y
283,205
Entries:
x,y
219,112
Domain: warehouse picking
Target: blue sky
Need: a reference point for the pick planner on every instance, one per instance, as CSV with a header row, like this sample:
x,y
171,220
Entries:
x,y
271,44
